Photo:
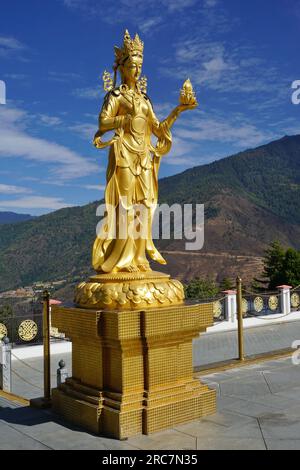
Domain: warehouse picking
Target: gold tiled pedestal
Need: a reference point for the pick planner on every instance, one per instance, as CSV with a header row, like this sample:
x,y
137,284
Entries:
x,y
132,370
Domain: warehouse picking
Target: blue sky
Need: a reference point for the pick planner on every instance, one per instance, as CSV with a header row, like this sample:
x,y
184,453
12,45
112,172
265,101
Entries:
x,y
242,57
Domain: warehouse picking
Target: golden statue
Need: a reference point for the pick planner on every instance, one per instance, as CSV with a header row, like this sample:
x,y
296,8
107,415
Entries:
x,y
132,175
131,330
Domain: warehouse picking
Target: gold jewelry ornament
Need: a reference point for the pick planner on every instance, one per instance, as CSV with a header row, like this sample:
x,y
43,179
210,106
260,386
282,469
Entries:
x,y
273,302
258,304
28,330
107,81
3,331
142,84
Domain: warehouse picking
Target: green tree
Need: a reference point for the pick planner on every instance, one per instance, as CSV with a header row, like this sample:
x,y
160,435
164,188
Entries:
x,y
201,289
6,312
226,284
274,265
291,267
280,266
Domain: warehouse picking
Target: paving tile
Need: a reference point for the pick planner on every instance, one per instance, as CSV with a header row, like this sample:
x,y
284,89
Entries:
x,y
12,439
68,439
283,379
227,419
228,443
165,440
292,393
283,444
257,407
279,425
217,425
245,387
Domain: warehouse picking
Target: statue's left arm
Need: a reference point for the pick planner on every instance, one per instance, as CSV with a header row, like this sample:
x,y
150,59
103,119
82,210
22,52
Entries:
x,y
162,130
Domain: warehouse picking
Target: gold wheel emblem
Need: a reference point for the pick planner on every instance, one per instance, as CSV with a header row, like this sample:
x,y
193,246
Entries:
x,y
28,330
295,300
3,331
258,304
273,302
217,309
244,306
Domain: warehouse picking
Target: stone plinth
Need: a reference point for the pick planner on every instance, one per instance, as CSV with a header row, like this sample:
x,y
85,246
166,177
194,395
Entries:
x,y
132,370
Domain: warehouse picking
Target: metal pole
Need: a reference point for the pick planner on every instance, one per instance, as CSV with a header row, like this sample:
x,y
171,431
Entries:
x,y
240,318
46,341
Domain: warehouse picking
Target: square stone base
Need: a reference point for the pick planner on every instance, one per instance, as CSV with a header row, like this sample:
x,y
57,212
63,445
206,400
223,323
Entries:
x,y
132,370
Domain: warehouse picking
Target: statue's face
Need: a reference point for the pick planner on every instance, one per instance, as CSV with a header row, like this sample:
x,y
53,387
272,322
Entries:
x,y
132,68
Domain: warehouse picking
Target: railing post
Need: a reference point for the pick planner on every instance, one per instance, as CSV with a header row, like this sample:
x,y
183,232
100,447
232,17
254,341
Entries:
x,y
285,298
240,318
230,305
46,342
5,365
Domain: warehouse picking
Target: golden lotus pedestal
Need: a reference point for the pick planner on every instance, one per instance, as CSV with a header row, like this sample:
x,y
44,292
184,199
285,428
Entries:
x,y
132,368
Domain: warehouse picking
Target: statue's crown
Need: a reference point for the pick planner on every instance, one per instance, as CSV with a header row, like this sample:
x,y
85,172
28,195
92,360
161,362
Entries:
x,y
130,46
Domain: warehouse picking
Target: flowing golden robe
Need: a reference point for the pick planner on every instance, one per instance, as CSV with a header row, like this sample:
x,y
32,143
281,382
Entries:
x,y
132,174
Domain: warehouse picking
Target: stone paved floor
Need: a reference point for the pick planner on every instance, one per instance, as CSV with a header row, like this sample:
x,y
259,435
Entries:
x,y
258,408
208,349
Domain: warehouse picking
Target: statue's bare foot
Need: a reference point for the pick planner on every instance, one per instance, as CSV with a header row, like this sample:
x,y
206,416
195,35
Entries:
x,y
132,268
144,266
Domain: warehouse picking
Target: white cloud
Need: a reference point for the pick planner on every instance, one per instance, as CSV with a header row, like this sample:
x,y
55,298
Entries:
x,y
146,16
149,24
63,77
49,120
16,76
10,189
16,142
224,67
85,130
237,132
34,202
210,3
90,93
10,45
94,187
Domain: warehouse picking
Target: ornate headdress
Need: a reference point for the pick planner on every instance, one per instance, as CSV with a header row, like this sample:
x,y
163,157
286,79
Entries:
x,y
130,47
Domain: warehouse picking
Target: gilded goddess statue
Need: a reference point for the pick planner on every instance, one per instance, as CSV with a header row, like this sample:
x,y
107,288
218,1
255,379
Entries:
x,y
132,174
124,241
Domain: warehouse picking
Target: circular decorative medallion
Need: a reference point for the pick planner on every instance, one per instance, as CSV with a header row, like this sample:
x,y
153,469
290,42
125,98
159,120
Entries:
x,y
295,300
258,304
217,309
273,302
244,306
3,331
28,330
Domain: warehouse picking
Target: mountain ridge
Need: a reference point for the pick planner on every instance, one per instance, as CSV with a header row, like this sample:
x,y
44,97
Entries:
x,y
251,198
13,217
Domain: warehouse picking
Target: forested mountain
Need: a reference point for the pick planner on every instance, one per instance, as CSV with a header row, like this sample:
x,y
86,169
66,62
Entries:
x,y
251,199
